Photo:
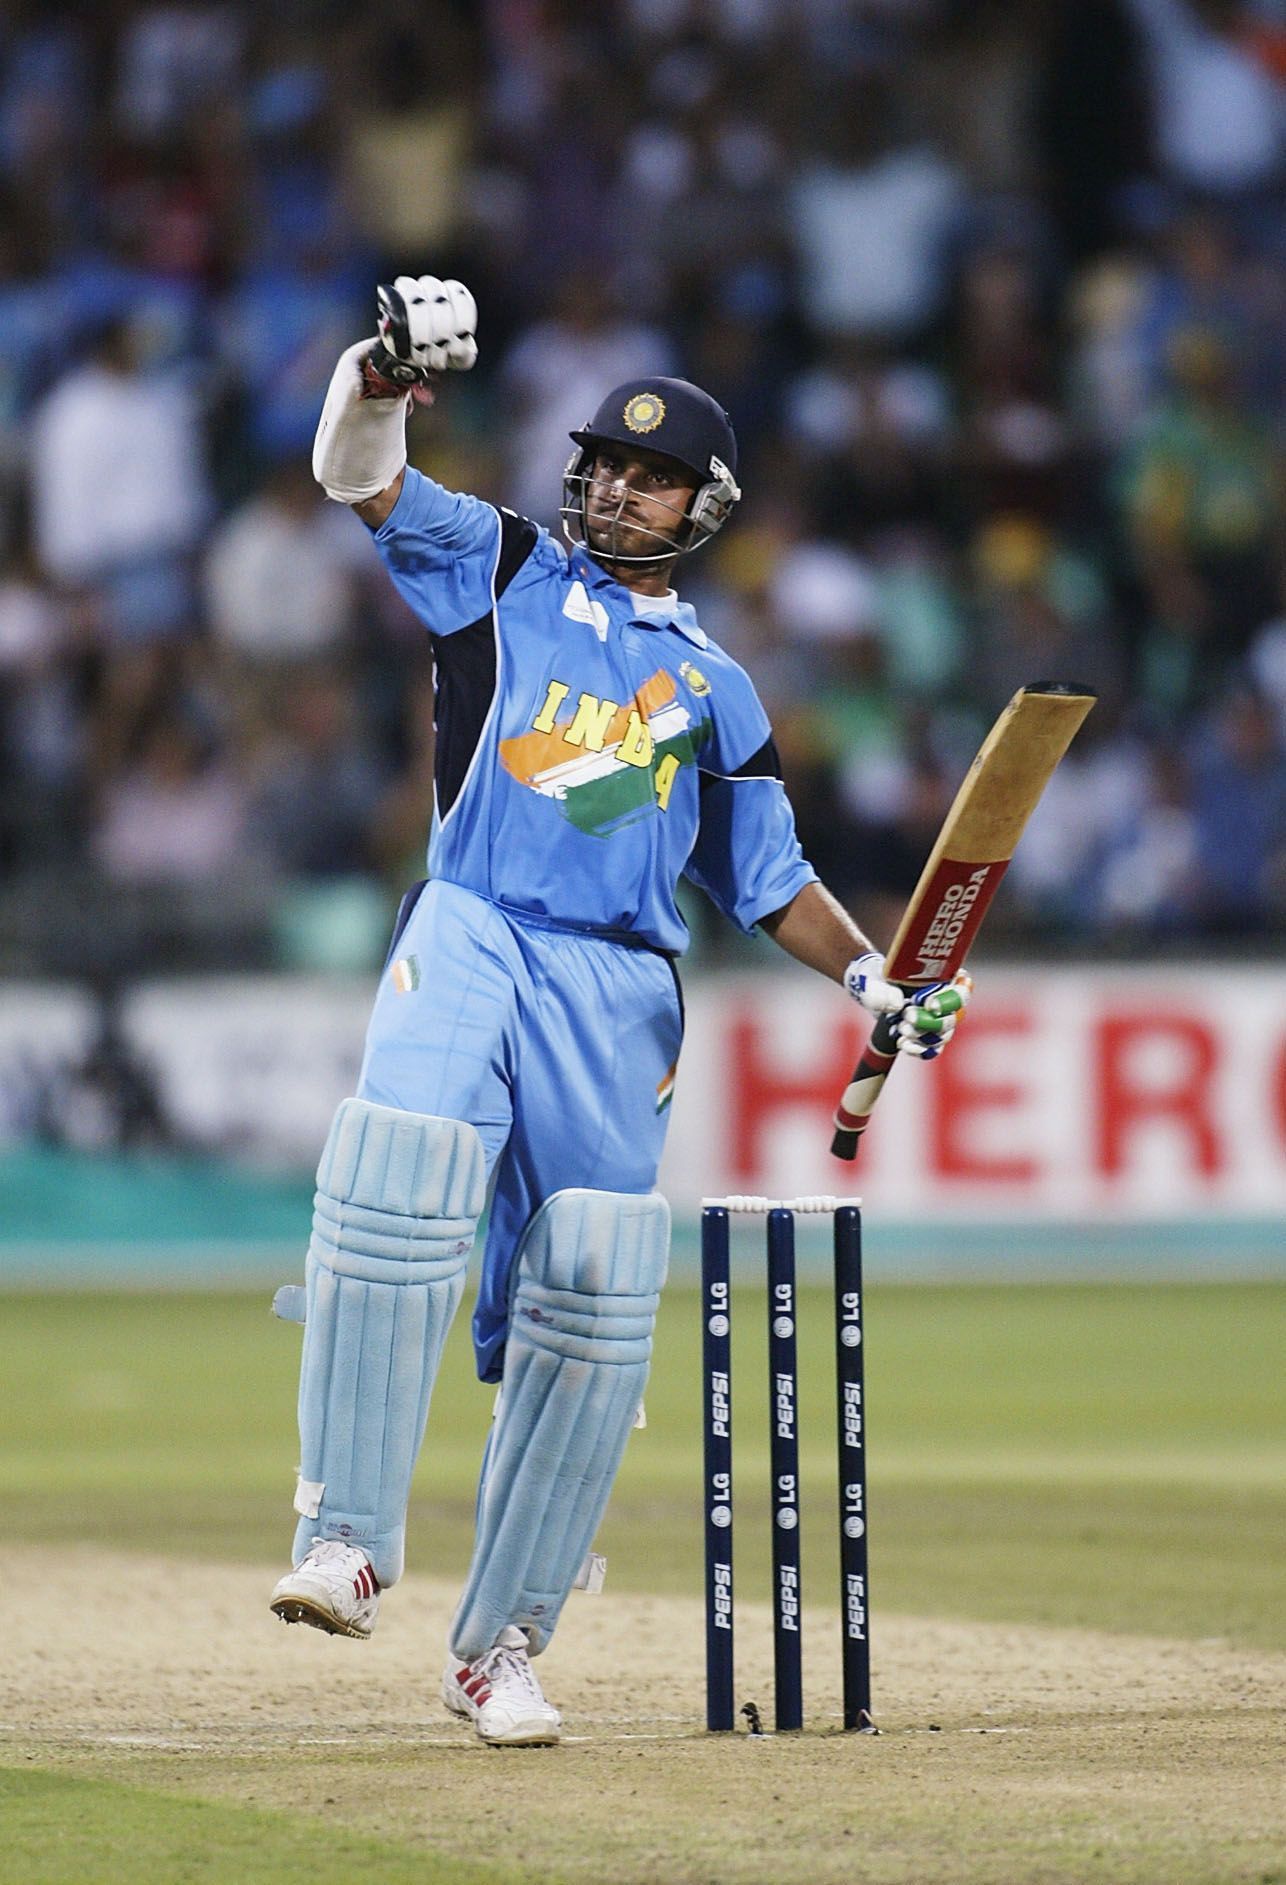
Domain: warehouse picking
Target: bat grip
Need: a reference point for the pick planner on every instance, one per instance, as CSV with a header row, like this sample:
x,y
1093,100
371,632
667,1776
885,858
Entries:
x,y
869,1075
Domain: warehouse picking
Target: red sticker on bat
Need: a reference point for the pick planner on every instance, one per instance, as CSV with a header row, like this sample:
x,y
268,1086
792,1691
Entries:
x,y
946,921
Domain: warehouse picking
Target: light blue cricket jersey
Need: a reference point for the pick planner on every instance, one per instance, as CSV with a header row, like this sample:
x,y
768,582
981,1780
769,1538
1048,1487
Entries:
x,y
588,756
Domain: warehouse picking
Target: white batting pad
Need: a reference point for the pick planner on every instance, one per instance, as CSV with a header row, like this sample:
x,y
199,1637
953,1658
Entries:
x,y
590,1272
397,1204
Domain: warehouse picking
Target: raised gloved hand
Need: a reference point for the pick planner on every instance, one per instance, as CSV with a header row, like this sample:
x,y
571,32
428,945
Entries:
x,y
426,327
926,1019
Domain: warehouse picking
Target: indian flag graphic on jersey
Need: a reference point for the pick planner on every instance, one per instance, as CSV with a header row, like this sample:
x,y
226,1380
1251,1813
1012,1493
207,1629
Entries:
x,y
605,764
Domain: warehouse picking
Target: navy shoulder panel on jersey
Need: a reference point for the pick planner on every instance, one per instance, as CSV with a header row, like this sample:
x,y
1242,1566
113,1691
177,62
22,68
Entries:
x,y
517,541
465,668
763,764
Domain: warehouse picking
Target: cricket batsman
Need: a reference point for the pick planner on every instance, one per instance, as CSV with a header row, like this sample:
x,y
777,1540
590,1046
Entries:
x,y
593,747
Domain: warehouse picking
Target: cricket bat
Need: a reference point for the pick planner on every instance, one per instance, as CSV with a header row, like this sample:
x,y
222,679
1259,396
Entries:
x,y
979,836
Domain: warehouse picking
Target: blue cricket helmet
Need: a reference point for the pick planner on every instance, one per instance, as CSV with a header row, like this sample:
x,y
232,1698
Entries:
x,y
670,416
680,421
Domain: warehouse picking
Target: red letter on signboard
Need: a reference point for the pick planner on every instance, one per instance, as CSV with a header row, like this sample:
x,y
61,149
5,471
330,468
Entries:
x,y
955,1102
759,1091
1128,1100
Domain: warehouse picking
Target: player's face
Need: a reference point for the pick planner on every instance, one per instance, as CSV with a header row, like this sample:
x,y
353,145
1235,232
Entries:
x,y
635,501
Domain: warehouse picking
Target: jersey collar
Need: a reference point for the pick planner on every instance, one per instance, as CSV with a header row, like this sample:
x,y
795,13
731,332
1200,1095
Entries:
x,y
683,617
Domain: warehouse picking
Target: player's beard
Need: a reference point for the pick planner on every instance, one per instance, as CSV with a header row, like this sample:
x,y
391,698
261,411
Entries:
x,y
613,533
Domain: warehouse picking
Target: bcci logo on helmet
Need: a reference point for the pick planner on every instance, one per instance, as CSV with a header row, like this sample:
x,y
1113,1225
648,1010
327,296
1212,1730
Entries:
x,y
644,412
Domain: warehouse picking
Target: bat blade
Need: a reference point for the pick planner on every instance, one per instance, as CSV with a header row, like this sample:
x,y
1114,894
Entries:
x,y
979,835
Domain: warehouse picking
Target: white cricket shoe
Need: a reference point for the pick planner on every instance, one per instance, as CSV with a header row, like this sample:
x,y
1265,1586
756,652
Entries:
x,y
501,1693
333,1588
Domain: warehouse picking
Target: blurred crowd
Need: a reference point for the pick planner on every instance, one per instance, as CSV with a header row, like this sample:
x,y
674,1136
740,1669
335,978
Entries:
x,y
994,290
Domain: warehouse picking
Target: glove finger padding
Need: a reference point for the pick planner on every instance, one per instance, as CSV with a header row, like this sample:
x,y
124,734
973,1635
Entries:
x,y
923,1046
427,326
930,1021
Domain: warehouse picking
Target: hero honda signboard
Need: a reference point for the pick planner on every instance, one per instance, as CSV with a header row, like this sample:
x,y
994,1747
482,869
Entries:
x,y
1074,1095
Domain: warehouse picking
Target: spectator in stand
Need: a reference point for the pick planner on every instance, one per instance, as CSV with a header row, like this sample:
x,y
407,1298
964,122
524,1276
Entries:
x,y
301,272
921,608
1266,661
1147,882
412,120
173,63
1239,806
1041,608
961,364
1217,108
876,429
1098,791
873,214
708,179
1108,387
42,733
278,579
1198,283
860,725
973,77
1201,497
319,786
1014,446
175,814
295,308
32,307
1133,308
118,487
47,116
552,379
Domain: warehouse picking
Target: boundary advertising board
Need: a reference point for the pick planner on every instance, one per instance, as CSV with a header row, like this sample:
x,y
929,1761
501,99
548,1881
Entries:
x,y
1071,1095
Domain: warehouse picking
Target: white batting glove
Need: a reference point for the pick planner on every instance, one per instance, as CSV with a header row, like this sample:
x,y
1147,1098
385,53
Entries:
x,y
864,980
426,327
929,1021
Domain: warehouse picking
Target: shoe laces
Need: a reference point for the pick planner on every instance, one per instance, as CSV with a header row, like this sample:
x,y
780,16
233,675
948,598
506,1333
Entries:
x,y
334,1551
509,1663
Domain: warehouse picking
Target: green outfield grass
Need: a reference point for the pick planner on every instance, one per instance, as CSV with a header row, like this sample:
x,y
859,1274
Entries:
x,y
59,1827
1104,1455
1112,1456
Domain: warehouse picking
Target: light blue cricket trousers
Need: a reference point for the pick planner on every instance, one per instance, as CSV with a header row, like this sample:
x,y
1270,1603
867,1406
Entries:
x,y
559,1048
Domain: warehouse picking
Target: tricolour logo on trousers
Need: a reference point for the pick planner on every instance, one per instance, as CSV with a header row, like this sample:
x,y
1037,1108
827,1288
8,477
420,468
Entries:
x,y
406,974
665,1090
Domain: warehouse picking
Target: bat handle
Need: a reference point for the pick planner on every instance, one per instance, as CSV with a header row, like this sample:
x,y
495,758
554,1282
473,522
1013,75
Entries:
x,y
858,1099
